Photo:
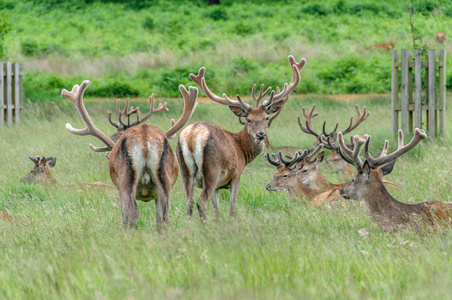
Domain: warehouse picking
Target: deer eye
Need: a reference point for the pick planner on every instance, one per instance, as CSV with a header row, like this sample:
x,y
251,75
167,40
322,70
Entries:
x,y
248,120
267,118
285,176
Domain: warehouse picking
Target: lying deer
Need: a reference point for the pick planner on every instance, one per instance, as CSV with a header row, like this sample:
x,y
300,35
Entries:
x,y
121,126
287,179
328,139
381,207
212,158
41,171
142,164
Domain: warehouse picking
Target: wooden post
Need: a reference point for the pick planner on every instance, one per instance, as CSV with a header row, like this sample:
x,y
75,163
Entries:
x,y
442,91
431,93
394,92
9,91
17,104
406,55
417,89
2,95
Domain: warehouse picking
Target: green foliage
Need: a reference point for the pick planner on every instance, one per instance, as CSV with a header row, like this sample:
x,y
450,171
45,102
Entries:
x,y
4,29
66,241
218,14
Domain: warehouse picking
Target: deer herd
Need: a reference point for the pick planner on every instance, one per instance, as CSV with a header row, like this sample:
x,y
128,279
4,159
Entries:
x,y
143,166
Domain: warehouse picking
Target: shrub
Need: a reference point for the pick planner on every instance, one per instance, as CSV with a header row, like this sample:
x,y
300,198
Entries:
x,y
149,23
218,14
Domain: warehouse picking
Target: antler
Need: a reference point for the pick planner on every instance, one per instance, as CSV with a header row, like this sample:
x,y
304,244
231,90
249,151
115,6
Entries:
x,y
261,94
296,68
349,155
359,119
122,114
278,159
308,129
152,111
76,97
200,80
190,104
374,163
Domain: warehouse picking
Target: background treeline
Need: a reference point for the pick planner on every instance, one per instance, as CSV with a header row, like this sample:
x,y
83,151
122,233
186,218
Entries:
x,y
134,48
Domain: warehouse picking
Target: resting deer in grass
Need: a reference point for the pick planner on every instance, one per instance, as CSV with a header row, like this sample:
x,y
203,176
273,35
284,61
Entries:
x,y
142,164
212,158
381,207
121,126
328,139
287,179
41,171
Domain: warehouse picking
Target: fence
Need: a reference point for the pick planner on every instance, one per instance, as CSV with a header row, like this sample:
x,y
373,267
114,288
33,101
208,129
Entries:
x,y
11,93
430,101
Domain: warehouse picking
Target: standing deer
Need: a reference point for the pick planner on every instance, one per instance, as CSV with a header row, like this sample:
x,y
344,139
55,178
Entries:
x,y
329,139
142,164
287,179
381,207
212,158
41,171
121,126
440,37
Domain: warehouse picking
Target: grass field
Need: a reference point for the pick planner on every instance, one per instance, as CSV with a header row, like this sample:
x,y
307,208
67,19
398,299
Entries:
x,y
66,241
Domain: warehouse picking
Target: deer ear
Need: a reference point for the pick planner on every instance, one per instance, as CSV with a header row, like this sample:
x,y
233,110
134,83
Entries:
x,y
274,108
34,159
51,161
366,169
238,111
387,169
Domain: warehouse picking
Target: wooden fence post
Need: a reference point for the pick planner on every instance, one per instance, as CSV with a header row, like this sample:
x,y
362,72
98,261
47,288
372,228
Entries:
x,y
406,56
442,90
431,126
11,93
394,91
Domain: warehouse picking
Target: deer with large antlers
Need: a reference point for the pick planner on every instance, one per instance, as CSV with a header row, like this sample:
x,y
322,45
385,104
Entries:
x,y
287,179
212,158
142,164
329,139
381,207
121,126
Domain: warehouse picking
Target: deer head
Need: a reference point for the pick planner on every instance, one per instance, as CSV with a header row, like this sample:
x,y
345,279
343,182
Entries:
x,y
368,182
288,170
41,171
122,126
258,118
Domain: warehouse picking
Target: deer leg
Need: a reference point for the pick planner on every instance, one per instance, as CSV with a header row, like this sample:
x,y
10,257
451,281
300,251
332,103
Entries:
x,y
235,185
187,179
216,202
210,180
162,204
129,208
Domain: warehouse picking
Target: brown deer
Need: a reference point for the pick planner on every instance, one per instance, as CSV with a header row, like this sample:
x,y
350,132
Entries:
x,y
287,179
212,158
41,171
142,164
440,37
329,139
121,126
384,47
381,207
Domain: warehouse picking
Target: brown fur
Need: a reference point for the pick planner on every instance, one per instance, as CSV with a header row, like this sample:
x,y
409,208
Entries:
x,y
41,171
385,47
335,162
391,214
440,37
5,216
286,179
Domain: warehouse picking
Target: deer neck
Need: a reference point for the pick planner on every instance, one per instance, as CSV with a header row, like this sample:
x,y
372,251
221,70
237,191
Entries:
x,y
321,183
378,201
246,143
303,190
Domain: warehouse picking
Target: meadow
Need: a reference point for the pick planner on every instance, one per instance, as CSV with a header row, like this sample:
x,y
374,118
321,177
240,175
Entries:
x,y
128,49
66,241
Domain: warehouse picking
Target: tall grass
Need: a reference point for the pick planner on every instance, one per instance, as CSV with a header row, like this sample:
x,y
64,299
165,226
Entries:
x,y
66,241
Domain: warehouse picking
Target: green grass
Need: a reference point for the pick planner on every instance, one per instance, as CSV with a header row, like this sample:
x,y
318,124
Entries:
x,y
134,52
67,241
